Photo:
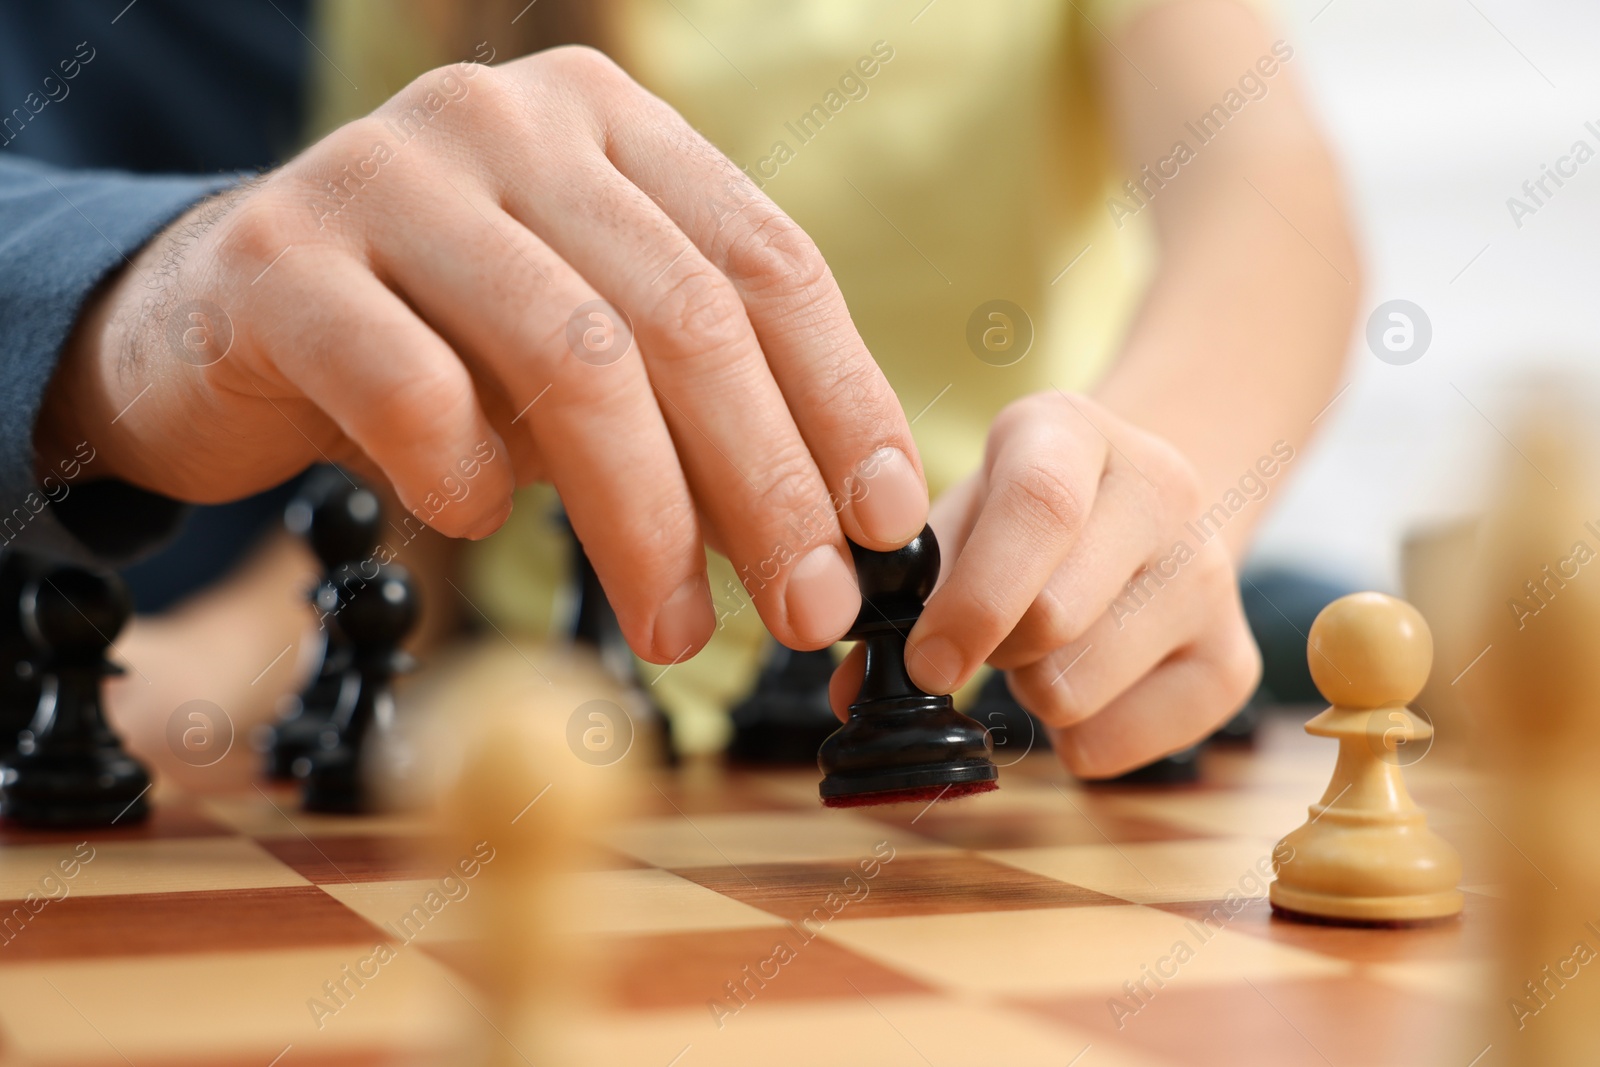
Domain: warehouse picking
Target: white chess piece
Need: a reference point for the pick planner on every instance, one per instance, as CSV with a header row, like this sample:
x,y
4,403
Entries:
x,y
1366,855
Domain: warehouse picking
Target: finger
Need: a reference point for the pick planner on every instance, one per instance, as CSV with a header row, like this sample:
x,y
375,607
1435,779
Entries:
x,y
845,683
1041,483
952,518
1083,676
1176,706
747,465
393,387
503,298
1121,535
843,406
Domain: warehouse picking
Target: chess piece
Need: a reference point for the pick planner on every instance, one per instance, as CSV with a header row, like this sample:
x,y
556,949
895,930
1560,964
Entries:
x,y
19,675
1367,856
339,518
1013,731
521,813
1535,699
900,743
373,615
69,768
787,716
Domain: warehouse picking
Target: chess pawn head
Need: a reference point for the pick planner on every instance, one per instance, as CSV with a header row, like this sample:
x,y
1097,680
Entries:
x,y
73,615
376,604
1368,650
894,585
337,516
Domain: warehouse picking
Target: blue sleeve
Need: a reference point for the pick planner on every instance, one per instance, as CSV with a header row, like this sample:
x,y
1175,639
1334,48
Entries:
x,y
62,233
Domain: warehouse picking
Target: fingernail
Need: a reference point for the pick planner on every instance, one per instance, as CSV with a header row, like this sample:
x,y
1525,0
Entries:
x,y
822,596
936,665
684,622
893,503
494,523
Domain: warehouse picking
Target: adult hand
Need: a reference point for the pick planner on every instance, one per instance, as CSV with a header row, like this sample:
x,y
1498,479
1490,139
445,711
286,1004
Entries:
x,y
1070,564
535,270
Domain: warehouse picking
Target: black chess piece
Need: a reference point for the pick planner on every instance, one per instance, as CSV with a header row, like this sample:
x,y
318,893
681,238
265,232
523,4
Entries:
x,y
373,607
900,743
787,716
19,674
340,519
594,624
69,768
1013,730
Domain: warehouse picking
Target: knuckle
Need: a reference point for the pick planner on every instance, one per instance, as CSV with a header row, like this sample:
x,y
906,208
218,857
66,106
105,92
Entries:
x,y
1040,493
257,232
776,255
702,309
792,495
1052,621
581,63
432,397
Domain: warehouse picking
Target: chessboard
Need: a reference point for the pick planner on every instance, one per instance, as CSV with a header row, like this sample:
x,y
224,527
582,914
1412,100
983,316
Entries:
x,y
741,922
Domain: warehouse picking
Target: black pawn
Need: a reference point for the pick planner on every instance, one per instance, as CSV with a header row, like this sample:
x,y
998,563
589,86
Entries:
x,y
1013,731
340,520
900,743
786,717
19,673
372,607
69,768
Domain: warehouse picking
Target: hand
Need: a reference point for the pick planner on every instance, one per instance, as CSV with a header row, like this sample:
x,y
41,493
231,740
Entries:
x,y
441,293
1040,546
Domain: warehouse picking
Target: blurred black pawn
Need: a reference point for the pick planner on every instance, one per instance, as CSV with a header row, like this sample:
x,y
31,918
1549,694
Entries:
x,y
339,519
69,768
900,743
786,717
373,607
1013,731
594,624
19,674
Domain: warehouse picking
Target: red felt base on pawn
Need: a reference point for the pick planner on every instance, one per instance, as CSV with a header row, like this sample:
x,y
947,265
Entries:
x,y
922,794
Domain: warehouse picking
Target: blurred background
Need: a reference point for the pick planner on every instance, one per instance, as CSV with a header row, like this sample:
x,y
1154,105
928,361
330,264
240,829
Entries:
x,y
1439,110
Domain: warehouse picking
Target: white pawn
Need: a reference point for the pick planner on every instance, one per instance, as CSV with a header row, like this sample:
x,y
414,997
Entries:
x,y
1367,856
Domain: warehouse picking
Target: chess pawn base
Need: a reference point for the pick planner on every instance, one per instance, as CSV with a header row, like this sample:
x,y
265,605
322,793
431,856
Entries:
x,y
333,782
905,748
290,739
94,788
1366,855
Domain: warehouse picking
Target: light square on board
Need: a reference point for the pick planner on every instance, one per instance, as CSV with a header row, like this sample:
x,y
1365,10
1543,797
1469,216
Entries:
x,y
175,865
222,1008
1154,872
1066,950
871,1030
764,837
